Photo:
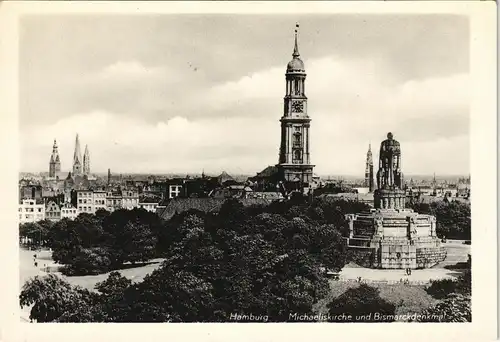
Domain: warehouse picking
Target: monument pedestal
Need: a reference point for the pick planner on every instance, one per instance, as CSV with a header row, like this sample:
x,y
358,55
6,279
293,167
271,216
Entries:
x,y
395,238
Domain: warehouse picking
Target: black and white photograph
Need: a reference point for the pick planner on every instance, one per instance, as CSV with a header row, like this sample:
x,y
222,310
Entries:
x,y
230,166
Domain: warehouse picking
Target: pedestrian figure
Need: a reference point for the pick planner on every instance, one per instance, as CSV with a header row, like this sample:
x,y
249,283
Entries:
x,y
36,264
409,271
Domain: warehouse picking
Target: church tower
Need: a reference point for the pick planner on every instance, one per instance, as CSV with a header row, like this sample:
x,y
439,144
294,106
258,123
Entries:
x,y
294,158
86,161
369,169
77,159
55,162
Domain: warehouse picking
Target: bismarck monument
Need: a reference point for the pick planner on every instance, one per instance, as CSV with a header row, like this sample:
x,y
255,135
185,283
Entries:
x,y
390,236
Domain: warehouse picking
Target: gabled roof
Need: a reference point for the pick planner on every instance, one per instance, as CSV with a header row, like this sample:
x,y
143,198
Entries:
x,y
179,205
267,172
224,177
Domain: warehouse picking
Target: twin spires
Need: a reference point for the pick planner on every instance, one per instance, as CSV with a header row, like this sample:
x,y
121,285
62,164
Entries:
x,y
81,166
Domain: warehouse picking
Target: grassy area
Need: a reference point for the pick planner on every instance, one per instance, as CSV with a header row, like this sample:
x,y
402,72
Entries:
x,y
408,299
136,274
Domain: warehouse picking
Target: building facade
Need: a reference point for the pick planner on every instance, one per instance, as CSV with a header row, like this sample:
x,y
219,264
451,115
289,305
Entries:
x,y
294,157
174,190
113,201
149,205
31,210
52,211
85,201
55,162
68,211
130,199
99,200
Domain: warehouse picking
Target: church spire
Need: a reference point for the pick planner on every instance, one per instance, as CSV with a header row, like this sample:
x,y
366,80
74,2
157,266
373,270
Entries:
x,y
55,162
296,46
77,158
86,161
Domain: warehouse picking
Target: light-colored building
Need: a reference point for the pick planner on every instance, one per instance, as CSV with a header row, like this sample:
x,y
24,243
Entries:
x,y
130,199
113,201
174,191
31,210
85,201
100,200
52,211
68,211
148,206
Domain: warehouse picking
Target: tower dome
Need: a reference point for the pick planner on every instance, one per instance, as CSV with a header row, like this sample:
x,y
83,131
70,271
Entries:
x,y
295,64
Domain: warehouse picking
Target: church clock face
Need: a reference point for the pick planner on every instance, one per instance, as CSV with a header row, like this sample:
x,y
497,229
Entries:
x,y
297,106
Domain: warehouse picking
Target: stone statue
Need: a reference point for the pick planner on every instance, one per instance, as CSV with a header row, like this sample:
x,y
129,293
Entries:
x,y
389,174
379,226
433,225
351,218
412,227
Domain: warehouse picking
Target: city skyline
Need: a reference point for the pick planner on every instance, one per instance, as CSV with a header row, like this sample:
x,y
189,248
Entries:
x,y
162,105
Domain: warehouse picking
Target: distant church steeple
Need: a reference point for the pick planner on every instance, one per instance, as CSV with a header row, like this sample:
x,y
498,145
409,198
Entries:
x,y
77,158
86,161
369,169
55,162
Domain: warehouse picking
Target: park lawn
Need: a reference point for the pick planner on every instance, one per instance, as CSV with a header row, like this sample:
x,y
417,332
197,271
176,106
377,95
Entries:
x,y
408,299
136,274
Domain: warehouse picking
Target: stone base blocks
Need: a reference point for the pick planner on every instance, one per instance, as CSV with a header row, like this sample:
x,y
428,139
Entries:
x,y
394,239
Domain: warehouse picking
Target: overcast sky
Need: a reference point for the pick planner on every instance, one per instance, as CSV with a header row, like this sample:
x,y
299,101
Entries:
x,y
182,93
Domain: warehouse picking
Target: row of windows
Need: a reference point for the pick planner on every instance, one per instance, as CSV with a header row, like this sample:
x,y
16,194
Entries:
x,y
68,211
30,210
85,194
29,216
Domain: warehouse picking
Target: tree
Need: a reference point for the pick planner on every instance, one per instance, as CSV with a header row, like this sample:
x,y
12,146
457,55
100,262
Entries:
x,y
53,298
453,217
36,232
130,236
168,295
215,264
454,308
93,260
361,304
441,288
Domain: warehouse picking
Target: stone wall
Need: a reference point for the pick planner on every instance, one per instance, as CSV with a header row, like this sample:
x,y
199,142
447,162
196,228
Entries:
x,y
362,256
428,257
397,255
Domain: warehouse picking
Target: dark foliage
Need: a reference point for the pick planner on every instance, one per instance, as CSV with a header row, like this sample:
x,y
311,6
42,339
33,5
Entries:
x,y
454,308
361,304
259,261
441,288
453,218
93,244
